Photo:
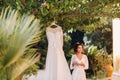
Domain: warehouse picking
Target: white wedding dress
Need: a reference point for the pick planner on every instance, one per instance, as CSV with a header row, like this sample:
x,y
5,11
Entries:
x,y
56,64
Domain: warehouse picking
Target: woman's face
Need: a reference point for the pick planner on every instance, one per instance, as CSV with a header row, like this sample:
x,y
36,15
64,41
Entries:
x,y
79,49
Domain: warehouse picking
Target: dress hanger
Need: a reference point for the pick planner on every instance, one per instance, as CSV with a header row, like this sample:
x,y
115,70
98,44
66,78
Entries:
x,y
53,25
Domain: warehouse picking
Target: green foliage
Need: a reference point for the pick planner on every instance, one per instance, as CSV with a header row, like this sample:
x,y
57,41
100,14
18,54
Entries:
x,y
17,33
92,16
67,13
98,60
102,37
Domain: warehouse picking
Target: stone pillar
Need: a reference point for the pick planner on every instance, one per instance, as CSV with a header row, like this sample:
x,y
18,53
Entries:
x,y
116,49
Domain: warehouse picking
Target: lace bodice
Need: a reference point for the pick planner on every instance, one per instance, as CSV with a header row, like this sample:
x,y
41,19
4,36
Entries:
x,y
57,29
56,64
54,36
84,59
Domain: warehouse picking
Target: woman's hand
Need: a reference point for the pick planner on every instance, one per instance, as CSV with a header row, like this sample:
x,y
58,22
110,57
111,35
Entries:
x,y
82,64
75,64
78,64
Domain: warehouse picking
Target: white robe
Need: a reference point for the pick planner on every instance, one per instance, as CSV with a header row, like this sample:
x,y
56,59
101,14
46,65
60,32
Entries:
x,y
79,71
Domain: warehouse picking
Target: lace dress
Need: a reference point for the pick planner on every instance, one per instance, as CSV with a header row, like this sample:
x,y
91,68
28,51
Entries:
x,y
79,71
56,64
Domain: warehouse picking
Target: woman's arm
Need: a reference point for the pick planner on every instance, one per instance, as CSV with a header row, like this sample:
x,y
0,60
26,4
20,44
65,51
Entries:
x,y
86,62
72,62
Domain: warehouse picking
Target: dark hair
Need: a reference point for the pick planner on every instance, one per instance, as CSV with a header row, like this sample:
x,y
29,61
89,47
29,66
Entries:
x,y
76,46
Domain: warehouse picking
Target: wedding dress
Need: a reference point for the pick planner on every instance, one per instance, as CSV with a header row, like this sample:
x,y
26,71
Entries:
x,y
79,71
56,64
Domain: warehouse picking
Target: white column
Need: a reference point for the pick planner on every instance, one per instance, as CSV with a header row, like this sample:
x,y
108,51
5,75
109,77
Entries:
x,y
116,49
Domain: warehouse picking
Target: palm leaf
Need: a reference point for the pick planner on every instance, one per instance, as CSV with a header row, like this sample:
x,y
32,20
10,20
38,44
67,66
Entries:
x,y
16,34
24,63
20,31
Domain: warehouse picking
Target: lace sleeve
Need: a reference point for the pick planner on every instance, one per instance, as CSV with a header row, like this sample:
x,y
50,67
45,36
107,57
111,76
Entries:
x,y
86,62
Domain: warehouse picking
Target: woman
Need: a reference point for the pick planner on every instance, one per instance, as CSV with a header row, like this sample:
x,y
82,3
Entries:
x,y
79,62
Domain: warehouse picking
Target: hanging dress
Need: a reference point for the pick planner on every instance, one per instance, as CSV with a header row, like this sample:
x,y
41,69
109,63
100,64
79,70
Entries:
x,y
56,64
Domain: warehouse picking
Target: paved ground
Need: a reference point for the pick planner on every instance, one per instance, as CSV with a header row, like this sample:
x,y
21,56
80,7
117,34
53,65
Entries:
x,y
40,76
109,78
102,79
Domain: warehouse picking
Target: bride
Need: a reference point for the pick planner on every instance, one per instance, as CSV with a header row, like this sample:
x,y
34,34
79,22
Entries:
x,y
56,64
